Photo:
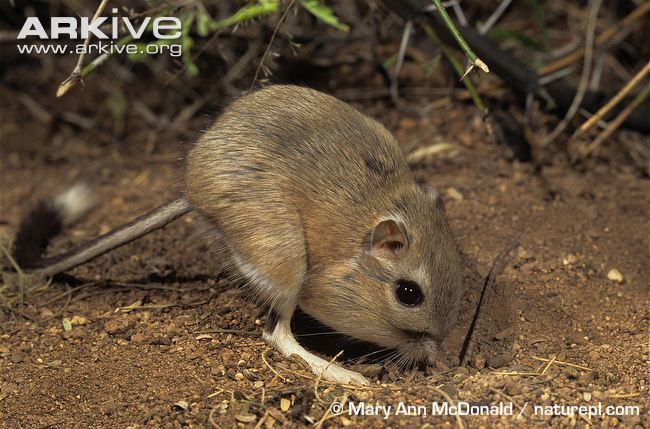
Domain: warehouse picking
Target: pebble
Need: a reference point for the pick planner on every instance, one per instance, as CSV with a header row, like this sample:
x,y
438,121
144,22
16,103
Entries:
x,y
597,394
450,390
504,334
454,194
17,356
246,418
570,372
441,365
478,362
512,388
499,360
615,275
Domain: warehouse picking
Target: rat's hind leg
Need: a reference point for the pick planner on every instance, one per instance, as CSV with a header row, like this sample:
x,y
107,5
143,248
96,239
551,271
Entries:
x,y
277,333
267,244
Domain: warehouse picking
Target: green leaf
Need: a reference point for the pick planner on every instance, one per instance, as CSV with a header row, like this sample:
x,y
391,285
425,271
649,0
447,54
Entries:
x,y
203,22
67,326
324,13
246,13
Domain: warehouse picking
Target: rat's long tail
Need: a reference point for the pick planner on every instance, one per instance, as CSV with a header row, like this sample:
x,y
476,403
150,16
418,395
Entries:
x,y
50,216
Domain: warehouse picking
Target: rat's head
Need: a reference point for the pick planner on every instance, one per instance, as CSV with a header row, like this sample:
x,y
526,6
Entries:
x,y
403,288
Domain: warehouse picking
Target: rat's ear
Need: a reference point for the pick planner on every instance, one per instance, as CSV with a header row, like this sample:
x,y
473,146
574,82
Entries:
x,y
388,238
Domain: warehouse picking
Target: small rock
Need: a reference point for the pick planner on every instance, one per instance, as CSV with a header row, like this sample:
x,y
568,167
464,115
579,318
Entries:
x,y
285,404
17,356
441,365
512,388
504,334
569,259
587,396
478,362
570,372
615,275
593,356
181,405
575,339
597,394
79,320
586,378
454,194
246,418
46,313
139,338
450,390
500,360
160,340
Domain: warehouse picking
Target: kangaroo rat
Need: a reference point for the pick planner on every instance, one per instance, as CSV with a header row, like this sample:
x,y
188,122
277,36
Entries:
x,y
317,208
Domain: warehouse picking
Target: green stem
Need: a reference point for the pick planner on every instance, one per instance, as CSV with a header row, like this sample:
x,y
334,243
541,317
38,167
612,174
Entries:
x,y
457,67
471,56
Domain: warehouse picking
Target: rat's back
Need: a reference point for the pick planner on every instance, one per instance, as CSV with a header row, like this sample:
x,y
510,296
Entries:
x,y
305,145
286,166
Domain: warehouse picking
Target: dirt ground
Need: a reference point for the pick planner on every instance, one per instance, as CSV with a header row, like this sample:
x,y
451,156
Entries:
x,y
154,335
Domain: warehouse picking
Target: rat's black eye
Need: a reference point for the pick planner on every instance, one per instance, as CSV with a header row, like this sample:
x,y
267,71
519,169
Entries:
x,y
408,293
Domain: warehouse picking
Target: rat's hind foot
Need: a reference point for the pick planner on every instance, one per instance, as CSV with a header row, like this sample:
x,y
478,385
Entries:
x,y
338,374
283,340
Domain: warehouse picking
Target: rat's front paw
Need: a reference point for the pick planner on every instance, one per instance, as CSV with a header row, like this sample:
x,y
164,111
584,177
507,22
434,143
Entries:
x,y
341,375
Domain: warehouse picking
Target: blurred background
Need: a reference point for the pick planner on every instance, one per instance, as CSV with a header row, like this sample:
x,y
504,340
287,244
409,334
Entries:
x,y
142,105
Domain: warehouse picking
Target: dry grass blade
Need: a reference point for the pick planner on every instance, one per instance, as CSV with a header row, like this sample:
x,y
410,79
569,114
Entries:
x,y
617,121
548,365
605,36
459,420
320,376
594,7
559,362
614,100
268,47
268,365
419,154
21,275
487,25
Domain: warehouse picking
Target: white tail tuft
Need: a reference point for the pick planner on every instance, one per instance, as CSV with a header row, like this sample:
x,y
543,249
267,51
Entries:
x,y
74,203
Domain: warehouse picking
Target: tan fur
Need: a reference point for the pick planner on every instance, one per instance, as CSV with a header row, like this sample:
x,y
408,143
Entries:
x,y
313,204
293,182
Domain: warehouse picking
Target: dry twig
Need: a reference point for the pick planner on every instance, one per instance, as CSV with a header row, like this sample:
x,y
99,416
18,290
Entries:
x,y
594,7
605,36
268,47
75,76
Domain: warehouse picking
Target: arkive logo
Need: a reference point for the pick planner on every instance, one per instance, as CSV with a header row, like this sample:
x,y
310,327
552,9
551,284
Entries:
x,y
162,27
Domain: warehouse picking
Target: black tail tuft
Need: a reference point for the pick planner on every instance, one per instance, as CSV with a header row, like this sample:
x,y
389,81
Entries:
x,y
36,230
